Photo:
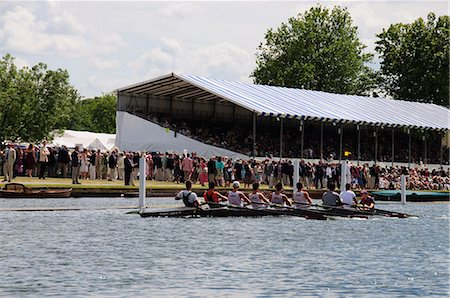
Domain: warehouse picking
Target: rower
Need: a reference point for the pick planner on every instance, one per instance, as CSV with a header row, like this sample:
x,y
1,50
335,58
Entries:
x,y
213,197
301,197
236,197
259,201
278,197
330,197
348,197
366,200
188,196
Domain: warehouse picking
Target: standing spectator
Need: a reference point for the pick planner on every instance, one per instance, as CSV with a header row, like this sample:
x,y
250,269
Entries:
x,y
135,158
219,171
128,169
52,163
169,168
30,160
319,175
187,165
158,165
176,168
63,161
150,166
75,156
120,166
211,169
43,159
104,165
238,170
203,178
92,162
98,164
112,164
8,165
84,164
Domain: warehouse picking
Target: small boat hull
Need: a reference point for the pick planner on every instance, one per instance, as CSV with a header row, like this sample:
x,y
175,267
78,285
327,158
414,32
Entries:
x,y
19,191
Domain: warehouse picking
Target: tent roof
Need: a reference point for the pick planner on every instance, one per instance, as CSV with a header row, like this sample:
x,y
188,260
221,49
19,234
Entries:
x,y
298,103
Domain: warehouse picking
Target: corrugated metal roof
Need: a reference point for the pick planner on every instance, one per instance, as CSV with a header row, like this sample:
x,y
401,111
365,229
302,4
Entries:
x,y
299,103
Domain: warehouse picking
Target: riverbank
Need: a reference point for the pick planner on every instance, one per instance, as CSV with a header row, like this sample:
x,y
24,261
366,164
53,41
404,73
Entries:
x,y
105,188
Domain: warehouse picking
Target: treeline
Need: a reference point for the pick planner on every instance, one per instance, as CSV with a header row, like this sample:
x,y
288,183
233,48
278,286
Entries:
x,y
35,101
320,50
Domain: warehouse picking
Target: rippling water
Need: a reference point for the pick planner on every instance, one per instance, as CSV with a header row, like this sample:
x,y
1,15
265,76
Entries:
x,y
109,253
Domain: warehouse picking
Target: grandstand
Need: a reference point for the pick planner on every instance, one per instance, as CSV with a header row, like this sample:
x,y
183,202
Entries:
x,y
258,120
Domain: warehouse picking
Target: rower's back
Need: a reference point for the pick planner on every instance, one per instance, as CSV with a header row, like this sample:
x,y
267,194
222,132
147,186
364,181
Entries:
x,y
331,198
234,198
256,201
300,199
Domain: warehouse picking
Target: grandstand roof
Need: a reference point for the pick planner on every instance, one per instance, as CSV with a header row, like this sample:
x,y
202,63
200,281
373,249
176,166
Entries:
x,y
298,103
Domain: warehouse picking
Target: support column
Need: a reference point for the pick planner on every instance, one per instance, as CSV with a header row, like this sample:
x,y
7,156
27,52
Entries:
x,y
376,144
440,148
393,148
403,189
341,133
302,129
142,170
359,142
321,140
254,135
409,148
281,138
425,150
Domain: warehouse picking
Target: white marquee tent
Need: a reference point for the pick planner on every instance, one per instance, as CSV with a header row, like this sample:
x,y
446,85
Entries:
x,y
85,139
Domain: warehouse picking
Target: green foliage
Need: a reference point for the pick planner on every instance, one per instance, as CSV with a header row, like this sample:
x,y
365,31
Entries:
x,y
96,114
317,50
415,60
33,101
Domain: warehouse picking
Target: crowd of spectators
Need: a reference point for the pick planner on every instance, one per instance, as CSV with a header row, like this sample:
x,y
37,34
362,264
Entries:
x,y
239,138
49,161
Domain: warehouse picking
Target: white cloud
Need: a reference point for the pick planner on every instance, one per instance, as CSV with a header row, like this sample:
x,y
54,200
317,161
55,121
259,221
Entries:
x,y
102,64
109,84
176,10
61,35
222,60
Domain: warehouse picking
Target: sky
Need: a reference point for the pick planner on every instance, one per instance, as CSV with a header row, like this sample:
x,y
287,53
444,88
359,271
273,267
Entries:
x,y
107,45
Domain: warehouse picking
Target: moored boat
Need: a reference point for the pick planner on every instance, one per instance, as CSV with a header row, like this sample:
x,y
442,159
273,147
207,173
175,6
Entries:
x,y
20,191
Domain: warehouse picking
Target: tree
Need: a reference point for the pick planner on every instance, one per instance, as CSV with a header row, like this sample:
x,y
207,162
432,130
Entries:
x,y
415,60
33,101
317,50
96,114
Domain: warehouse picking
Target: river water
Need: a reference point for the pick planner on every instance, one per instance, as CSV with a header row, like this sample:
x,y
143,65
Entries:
x,y
111,253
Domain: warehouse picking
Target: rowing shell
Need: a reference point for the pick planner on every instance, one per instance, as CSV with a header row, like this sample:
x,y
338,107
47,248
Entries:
x,y
230,211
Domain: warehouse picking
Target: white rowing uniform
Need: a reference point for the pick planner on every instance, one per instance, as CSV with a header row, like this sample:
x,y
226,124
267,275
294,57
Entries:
x,y
277,199
300,200
347,198
255,199
234,198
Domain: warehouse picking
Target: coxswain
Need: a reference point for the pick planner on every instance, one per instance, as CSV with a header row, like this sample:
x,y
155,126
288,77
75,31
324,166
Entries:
x,y
366,201
278,197
330,197
189,197
236,197
301,197
259,201
348,197
213,197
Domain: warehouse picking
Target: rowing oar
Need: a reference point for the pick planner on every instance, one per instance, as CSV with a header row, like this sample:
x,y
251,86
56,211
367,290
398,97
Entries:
x,y
311,215
386,212
308,213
